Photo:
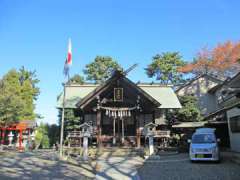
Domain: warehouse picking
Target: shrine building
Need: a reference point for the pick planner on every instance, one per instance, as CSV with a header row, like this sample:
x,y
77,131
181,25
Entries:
x,y
118,109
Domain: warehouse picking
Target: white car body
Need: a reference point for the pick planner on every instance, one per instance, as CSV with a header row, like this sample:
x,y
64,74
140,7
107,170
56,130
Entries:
x,y
204,146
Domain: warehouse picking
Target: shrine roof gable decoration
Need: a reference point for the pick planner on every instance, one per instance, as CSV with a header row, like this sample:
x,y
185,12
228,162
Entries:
x,y
117,78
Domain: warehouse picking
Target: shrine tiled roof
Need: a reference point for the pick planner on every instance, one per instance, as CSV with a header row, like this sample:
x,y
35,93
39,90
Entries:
x,y
74,93
163,94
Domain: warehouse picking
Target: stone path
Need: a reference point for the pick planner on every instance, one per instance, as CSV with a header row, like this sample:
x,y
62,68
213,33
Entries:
x,y
120,168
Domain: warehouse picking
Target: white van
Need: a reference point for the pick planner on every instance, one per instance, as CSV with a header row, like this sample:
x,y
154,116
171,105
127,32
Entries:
x,y
204,145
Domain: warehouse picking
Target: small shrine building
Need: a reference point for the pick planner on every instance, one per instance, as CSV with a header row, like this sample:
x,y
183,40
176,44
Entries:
x,y
17,134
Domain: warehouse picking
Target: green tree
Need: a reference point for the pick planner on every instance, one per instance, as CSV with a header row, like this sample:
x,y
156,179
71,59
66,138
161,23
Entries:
x,y
11,103
18,91
38,139
76,79
165,68
45,142
31,77
72,120
41,138
29,91
101,69
189,111
53,134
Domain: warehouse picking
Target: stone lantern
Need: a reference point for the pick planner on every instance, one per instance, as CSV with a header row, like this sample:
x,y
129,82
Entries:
x,y
10,138
33,136
86,131
149,131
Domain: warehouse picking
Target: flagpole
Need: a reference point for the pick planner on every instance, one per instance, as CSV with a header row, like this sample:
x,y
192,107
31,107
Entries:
x,y
68,76
62,121
66,72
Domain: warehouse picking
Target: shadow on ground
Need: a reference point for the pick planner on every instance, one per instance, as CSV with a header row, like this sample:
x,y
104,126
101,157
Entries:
x,y
109,166
41,165
179,167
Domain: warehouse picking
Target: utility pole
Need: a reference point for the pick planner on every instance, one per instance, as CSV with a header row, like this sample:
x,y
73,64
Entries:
x,y
62,121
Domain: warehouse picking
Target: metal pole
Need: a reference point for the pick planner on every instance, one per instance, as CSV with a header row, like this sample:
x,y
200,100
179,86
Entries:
x,y
62,122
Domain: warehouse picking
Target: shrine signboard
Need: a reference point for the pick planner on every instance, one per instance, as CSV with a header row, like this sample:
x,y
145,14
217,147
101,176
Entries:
x,y
118,94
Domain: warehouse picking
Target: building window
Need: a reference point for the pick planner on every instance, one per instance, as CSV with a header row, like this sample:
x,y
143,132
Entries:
x,y
235,124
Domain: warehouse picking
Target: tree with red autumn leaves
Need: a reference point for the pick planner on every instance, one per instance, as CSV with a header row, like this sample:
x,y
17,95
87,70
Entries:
x,y
221,61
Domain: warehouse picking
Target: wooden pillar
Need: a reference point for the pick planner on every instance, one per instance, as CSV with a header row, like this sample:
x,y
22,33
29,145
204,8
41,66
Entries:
x,y
99,129
29,136
3,136
69,146
114,131
122,130
118,121
138,132
20,140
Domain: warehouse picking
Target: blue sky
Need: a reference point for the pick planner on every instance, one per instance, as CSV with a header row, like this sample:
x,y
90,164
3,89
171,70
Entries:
x,y
35,34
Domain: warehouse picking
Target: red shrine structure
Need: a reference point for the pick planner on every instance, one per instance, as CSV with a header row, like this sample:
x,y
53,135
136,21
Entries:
x,y
25,127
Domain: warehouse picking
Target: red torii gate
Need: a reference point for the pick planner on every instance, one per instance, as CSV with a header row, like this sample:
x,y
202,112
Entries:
x,y
21,126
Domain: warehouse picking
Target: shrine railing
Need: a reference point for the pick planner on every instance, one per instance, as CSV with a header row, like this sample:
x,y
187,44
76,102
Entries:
x,y
75,134
162,134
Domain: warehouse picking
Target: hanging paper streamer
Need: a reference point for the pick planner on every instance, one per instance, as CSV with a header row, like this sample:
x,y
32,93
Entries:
x,y
118,112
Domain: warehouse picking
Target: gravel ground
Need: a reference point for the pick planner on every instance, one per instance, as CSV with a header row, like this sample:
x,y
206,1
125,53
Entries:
x,y
178,167
118,168
44,165
41,165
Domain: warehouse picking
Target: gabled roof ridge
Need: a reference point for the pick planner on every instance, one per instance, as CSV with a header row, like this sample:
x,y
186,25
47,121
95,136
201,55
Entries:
x,y
116,76
82,85
214,77
226,82
138,84
154,84
197,77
